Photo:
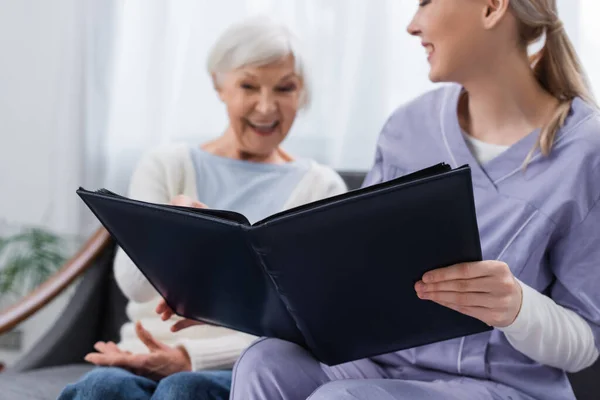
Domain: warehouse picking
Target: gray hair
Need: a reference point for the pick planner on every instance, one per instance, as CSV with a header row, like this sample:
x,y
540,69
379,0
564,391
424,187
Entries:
x,y
257,41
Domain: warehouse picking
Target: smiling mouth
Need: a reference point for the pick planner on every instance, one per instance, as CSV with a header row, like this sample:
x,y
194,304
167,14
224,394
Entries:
x,y
264,128
429,50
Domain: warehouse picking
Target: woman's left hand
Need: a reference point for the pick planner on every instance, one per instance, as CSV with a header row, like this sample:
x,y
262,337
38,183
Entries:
x,y
486,290
161,362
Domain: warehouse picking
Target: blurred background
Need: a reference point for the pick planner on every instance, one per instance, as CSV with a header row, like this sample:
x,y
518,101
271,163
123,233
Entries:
x,y
86,86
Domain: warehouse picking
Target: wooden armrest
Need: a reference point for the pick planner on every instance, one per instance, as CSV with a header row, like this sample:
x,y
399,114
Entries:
x,y
56,284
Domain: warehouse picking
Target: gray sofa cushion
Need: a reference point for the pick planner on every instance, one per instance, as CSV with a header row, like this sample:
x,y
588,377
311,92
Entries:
x,y
42,384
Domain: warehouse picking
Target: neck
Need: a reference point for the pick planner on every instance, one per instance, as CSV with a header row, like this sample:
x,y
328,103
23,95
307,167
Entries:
x,y
506,104
228,145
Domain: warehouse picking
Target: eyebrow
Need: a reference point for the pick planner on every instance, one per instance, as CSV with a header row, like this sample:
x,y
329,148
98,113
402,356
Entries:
x,y
290,75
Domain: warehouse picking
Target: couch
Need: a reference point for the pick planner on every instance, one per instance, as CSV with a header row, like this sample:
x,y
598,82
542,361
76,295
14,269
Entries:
x,y
96,312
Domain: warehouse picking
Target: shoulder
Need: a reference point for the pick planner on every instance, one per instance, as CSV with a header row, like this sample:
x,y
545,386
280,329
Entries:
x,y
167,155
579,142
325,174
573,167
166,160
161,172
412,137
584,130
319,182
421,111
325,178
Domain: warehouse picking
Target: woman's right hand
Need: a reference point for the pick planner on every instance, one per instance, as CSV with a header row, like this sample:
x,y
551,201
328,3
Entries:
x,y
186,201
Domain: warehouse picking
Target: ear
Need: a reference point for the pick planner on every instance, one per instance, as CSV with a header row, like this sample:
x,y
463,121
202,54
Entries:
x,y
494,12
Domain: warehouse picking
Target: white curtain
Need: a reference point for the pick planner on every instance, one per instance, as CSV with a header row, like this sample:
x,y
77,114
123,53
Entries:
x,y
88,85
586,27
147,83
362,66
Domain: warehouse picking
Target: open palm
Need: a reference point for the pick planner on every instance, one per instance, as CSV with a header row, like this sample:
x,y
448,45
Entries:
x,y
160,362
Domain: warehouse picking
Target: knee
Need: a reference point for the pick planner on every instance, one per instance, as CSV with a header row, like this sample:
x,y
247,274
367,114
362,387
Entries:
x,y
265,357
180,380
266,363
204,381
99,383
338,390
196,385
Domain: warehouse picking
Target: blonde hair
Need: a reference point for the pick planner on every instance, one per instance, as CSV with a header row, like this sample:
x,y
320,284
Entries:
x,y
556,66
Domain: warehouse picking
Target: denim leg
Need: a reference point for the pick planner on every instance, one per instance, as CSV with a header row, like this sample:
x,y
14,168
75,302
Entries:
x,y
109,383
201,385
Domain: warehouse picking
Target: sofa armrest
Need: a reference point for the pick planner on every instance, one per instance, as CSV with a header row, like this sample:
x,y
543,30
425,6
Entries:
x,y
80,324
56,284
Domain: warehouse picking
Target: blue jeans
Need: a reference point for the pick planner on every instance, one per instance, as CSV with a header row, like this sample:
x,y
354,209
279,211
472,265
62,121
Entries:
x,y
117,383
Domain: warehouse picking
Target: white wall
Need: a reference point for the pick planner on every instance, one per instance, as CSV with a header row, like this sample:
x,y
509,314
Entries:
x,y
41,81
40,92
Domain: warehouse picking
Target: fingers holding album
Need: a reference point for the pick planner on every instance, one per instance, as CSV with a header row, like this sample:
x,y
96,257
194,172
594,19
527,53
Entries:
x,y
164,310
186,201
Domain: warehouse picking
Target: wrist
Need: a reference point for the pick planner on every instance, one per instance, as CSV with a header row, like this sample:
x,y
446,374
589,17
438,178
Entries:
x,y
521,322
187,361
519,290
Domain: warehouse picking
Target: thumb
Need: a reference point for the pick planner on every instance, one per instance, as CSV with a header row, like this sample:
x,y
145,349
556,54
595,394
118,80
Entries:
x,y
182,200
198,204
146,338
184,324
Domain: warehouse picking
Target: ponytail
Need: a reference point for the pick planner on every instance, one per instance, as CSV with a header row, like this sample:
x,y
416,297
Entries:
x,y
559,71
556,66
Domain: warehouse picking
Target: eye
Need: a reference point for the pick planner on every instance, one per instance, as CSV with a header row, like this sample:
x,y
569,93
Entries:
x,y
286,89
247,86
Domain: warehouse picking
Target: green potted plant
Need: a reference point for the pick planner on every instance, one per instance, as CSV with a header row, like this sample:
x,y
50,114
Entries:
x,y
28,257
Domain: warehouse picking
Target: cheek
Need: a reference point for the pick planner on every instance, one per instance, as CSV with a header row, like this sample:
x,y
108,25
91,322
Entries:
x,y
239,105
237,112
456,52
450,27
464,51
289,108
289,116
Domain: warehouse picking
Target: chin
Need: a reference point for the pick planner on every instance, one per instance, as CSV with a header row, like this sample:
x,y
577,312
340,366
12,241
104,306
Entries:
x,y
265,146
438,75
435,76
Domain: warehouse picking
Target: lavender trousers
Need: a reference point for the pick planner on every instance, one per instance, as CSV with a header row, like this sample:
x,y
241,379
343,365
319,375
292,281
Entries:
x,y
272,369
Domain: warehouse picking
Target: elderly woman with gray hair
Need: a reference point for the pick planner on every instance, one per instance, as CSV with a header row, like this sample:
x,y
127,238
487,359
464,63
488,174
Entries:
x,y
259,74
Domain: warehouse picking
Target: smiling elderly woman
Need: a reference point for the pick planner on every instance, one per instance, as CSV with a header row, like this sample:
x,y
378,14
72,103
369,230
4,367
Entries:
x,y
259,75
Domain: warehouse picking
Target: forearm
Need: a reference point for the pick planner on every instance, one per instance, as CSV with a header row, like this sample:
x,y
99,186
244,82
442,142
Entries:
x,y
550,334
218,352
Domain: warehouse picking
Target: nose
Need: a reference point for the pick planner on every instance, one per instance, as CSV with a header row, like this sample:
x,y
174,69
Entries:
x,y
266,103
413,28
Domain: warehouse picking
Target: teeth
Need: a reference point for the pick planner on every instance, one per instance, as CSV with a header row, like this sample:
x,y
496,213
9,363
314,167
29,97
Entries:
x,y
429,49
264,126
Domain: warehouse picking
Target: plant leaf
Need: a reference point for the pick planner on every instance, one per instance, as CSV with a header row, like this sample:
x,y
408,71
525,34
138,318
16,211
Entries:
x,y
28,258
